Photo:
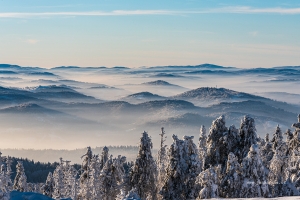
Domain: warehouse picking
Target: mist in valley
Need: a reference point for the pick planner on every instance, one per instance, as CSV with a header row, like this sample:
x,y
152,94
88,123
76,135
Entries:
x,y
73,107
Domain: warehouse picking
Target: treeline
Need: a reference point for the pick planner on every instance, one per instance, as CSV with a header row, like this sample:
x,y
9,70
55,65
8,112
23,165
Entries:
x,y
51,155
228,162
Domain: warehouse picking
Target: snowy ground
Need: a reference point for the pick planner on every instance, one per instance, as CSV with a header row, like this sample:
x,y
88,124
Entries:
x,y
34,196
14,195
279,198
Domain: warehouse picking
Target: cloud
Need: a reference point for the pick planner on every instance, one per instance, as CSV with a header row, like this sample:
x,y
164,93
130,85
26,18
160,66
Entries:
x,y
31,41
250,10
234,9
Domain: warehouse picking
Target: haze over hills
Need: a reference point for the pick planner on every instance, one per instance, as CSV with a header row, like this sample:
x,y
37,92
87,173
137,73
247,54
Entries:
x,y
98,106
142,97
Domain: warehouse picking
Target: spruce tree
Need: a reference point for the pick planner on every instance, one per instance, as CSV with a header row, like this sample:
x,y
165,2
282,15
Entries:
x,y
253,175
161,161
58,178
278,173
202,149
232,181
104,157
248,136
48,188
20,182
217,149
293,143
277,137
5,180
208,181
182,169
143,173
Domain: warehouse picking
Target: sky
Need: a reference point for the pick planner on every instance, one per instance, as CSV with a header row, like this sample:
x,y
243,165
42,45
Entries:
x,y
134,33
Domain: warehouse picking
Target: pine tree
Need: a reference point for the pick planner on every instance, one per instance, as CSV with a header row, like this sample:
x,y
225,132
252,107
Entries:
x,y
87,157
193,166
248,136
183,168
104,157
217,151
267,137
231,183
278,166
5,181
277,137
208,181
20,181
202,149
254,175
161,161
58,178
94,183
266,152
143,174
112,178
293,143
70,182
86,191
49,186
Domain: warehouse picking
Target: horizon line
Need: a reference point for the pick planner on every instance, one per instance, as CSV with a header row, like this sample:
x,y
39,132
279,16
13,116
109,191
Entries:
x,y
221,10
187,65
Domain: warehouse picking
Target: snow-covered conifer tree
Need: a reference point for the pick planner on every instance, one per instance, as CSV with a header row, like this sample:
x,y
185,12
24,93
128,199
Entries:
x,y
183,168
119,171
58,178
20,181
104,157
293,142
193,166
278,173
202,149
231,183
86,191
70,181
277,137
48,188
266,152
8,173
161,160
254,175
5,181
143,173
267,137
112,178
93,185
208,181
232,140
248,135
217,149
87,157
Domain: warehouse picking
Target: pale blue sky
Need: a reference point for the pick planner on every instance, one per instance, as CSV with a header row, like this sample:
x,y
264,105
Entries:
x,y
251,33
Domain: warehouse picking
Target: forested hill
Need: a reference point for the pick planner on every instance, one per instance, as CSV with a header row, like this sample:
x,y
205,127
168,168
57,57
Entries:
x,y
53,155
36,172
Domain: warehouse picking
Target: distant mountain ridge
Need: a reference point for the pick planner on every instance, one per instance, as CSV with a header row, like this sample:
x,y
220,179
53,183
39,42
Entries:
x,y
206,93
